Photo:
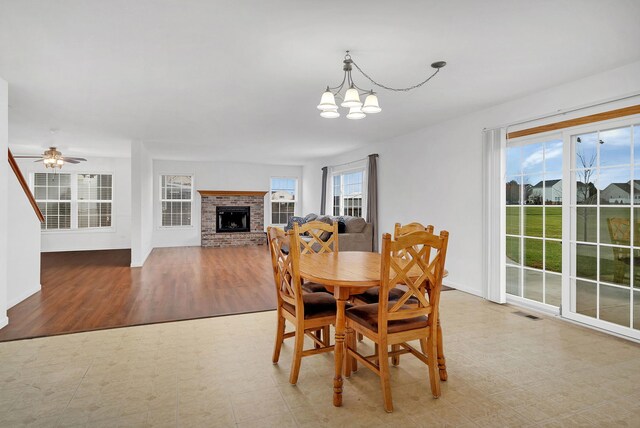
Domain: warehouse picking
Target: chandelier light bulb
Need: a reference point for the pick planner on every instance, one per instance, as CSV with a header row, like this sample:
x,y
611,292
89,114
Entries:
x,y
327,102
351,98
355,113
371,105
330,114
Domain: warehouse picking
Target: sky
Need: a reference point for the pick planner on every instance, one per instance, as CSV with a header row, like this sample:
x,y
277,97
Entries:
x,y
544,160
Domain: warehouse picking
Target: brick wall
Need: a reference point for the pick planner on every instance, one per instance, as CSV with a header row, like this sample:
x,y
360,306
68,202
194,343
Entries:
x,y
210,238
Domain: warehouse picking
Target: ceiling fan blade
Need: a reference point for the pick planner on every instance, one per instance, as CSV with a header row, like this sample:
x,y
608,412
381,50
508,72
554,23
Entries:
x,y
28,157
71,158
39,160
67,160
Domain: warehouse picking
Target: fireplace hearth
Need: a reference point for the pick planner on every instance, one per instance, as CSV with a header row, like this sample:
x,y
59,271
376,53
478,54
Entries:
x,y
233,219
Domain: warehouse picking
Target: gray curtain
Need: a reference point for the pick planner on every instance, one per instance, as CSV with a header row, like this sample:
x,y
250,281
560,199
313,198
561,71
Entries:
x,y
323,197
372,197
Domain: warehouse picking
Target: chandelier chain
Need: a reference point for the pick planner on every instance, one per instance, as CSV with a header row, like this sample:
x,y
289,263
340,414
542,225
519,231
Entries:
x,y
388,88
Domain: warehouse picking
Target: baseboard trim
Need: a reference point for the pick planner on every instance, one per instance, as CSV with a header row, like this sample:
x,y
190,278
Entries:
x,y
463,288
140,263
26,294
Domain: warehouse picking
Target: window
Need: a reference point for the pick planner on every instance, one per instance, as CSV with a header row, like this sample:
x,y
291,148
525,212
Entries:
x,y
53,195
283,199
176,197
348,193
534,221
95,193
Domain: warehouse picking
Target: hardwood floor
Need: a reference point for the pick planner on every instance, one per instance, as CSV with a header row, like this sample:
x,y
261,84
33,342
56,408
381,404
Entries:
x,y
92,290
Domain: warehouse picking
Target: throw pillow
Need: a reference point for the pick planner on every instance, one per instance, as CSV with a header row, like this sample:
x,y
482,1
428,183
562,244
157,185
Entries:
x,y
310,217
342,227
292,220
355,224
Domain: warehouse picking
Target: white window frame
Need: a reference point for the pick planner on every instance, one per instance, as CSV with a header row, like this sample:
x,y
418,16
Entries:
x,y
520,300
160,200
74,202
32,179
296,201
360,166
567,307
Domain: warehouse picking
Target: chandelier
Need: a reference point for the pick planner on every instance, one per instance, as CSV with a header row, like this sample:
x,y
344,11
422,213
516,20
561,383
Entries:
x,y
351,97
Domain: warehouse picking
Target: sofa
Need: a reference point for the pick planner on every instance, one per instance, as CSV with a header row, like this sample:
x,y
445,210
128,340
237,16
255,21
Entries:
x,y
354,233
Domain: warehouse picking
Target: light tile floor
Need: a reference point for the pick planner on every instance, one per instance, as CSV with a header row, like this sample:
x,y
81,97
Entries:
x,y
504,370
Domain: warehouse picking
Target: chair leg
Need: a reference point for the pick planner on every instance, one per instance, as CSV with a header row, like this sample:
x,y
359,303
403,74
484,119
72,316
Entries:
x,y
279,339
360,337
395,360
385,380
376,352
432,356
442,363
326,336
296,359
318,334
347,358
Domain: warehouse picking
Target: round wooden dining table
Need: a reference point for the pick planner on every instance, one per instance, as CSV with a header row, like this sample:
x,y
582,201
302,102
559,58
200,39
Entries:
x,y
346,274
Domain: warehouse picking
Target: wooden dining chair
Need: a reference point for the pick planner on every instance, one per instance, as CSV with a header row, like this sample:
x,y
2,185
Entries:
x,y
316,237
310,313
620,234
390,323
400,230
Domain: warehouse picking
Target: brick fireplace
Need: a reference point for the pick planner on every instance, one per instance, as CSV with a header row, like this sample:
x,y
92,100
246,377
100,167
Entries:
x,y
215,231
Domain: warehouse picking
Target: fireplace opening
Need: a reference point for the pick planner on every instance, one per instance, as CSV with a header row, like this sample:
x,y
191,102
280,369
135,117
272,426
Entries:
x,y
233,219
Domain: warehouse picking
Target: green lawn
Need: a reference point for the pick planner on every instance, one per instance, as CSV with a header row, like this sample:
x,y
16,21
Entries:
x,y
611,268
533,226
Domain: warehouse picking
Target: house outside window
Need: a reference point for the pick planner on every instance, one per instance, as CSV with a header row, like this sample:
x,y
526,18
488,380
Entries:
x,y
284,195
176,198
349,193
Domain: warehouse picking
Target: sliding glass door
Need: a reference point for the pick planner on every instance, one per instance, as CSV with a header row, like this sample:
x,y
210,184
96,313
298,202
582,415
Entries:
x,y
574,249
533,240
604,282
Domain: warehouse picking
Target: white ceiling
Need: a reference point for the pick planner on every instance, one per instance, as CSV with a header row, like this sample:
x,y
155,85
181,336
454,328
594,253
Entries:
x,y
239,80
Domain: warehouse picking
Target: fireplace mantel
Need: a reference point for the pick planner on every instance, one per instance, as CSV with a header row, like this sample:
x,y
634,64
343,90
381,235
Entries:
x,y
232,192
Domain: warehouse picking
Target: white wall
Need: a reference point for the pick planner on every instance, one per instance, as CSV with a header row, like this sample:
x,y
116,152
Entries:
x,y
4,167
23,269
214,176
119,235
141,203
434,176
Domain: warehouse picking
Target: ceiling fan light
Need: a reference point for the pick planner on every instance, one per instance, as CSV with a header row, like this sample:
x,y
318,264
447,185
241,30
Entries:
x,y
355,113
327,102
351,98
330,114
371,105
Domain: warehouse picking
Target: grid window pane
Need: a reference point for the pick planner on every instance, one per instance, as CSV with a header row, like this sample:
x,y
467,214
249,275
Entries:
x,y
348,192
176,192
49,190
283,199
533,212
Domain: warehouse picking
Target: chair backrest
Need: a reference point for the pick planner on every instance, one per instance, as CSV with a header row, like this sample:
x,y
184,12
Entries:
x,y
619,230
319,237
400,230
285,259
422,264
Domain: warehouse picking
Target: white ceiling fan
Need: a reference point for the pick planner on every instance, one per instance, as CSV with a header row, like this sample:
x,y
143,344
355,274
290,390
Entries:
x,y
52,158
